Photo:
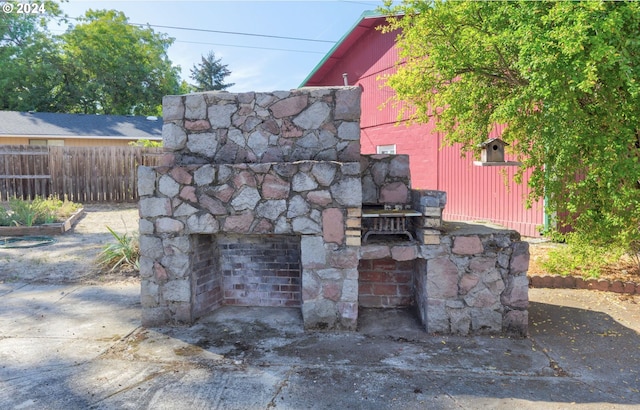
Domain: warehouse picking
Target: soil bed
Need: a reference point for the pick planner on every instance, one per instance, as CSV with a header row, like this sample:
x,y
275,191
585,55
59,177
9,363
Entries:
x,y
72,257
54,228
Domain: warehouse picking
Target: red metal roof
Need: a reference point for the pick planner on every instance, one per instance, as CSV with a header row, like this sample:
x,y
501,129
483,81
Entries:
x,y
367,20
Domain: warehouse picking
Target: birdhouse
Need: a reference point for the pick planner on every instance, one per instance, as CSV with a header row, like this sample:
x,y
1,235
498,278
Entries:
x,y
492,154
492,150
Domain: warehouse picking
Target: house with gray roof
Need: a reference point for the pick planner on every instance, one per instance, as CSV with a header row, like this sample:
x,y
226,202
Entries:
x,y
45,128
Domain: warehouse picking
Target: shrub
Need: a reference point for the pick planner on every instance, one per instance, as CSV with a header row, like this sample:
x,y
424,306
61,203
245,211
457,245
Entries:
x,y
5,217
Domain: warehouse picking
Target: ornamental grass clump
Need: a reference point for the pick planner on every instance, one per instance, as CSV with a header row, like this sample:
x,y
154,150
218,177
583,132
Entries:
x,y
123,254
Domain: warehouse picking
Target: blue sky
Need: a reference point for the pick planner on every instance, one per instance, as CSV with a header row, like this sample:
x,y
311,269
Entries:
x,y
257,63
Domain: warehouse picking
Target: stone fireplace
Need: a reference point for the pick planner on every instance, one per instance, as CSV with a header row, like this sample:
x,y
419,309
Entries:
x,y
259,204
261,199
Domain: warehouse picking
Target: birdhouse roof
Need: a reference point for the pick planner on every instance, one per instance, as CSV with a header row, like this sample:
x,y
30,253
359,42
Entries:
x,y
491,141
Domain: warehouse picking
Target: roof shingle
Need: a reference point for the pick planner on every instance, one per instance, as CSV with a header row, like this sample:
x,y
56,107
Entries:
x,y
46,124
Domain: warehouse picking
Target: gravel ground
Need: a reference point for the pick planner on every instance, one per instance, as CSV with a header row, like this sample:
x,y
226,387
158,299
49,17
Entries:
x,y
72,257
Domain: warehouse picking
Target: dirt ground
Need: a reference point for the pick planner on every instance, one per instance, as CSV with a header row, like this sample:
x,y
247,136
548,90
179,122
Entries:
x,y
72,257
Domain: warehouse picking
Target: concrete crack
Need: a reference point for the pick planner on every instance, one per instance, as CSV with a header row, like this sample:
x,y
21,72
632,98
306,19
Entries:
x,y
279,387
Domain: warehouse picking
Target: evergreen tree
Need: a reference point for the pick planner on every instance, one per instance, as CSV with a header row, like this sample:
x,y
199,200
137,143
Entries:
x,y
209,75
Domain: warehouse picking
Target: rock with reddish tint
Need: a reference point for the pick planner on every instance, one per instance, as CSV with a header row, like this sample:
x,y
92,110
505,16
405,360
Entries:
x,y
321,198
394,193
263,226
331,291
346,258
442,279
160,273
404,253
468,282
212,205
333,225
223,192
289,106
375,252
244,178
274,187
188,193
239,223
482,265
168,225
197,126
181,175
467,245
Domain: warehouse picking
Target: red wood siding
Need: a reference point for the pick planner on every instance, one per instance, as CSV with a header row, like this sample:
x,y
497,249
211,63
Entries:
x,y
473,192
480,193
419,142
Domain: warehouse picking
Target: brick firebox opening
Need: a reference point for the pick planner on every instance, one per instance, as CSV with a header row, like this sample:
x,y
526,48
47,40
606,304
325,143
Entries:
x,y
386,283
246,270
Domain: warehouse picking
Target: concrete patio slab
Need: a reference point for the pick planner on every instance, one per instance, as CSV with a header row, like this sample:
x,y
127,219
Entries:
x,y
82,346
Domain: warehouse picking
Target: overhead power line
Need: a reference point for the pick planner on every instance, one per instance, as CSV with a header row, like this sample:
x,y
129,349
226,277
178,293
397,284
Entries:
x,y
254,47
234,33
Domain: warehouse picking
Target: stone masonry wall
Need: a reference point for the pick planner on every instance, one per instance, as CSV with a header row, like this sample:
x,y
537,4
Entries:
x,y
283,126
474,282
467,279
386,179
220,179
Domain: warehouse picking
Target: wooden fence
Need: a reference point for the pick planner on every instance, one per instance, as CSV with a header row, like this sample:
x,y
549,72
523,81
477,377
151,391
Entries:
x,y
82,174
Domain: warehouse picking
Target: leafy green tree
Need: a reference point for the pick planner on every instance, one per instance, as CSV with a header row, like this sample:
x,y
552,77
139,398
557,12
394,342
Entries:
x,y
564,76
112,67
29,58
209,75
102,65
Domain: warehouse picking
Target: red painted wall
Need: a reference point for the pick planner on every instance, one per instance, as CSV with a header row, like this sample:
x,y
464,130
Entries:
x,y
473,192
